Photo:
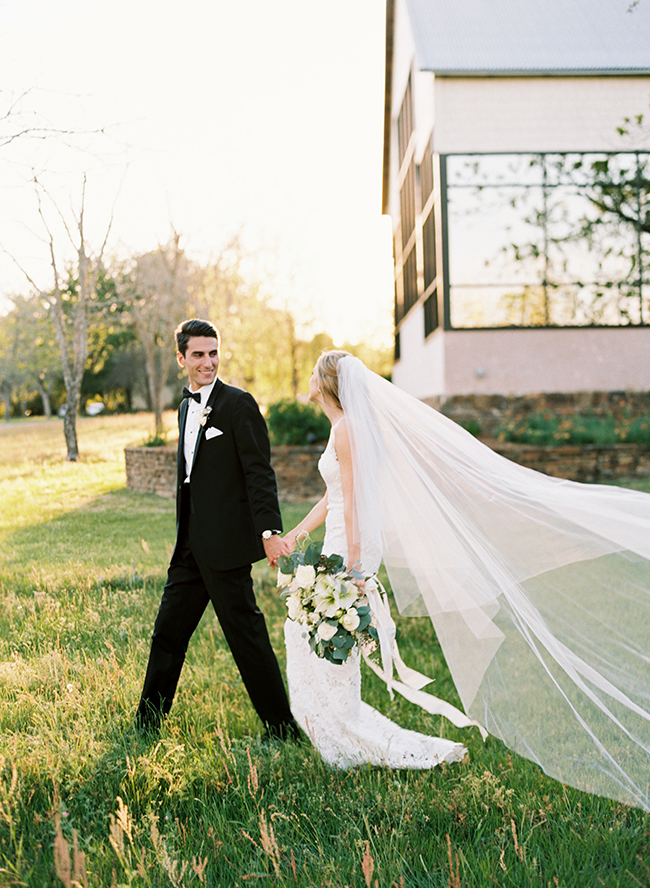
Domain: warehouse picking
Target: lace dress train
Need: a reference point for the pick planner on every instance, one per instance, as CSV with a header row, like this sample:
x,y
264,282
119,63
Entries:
x,y
326,698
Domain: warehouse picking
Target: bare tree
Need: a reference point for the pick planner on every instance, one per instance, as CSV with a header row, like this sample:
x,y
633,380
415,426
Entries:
x,y
69,302
156,287
18,123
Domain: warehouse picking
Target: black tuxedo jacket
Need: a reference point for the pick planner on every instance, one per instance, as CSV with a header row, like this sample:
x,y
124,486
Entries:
x,y
232,485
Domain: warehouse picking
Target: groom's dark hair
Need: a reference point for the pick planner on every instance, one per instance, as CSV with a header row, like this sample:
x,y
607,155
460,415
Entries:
x,y
194,327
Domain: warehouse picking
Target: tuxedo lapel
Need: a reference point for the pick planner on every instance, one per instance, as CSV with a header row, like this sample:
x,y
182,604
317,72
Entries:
x,y
212,400
180,457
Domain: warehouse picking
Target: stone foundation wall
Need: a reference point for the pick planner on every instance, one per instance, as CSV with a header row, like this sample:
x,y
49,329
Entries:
x,y
589,463
153,469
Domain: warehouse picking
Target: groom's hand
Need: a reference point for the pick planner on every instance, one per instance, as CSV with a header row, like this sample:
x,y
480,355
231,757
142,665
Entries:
x,y
276,546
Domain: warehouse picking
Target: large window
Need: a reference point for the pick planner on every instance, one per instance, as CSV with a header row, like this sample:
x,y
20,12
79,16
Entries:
x,y
548,239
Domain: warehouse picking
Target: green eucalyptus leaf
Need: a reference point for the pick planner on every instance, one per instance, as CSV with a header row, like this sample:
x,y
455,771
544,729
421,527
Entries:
x,y
333,563
312,556
285,564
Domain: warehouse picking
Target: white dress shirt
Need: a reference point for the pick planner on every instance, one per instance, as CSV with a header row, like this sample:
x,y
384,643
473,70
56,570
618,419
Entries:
x,y
193,425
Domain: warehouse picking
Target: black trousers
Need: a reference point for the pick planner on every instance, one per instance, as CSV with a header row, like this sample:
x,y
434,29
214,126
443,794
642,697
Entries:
x,y
190,586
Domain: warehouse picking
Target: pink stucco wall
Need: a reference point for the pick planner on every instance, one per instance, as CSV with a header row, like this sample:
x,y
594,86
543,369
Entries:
x,y
526,361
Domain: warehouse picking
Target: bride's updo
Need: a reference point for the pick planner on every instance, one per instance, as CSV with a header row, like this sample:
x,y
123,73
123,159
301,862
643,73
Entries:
x,y
328,376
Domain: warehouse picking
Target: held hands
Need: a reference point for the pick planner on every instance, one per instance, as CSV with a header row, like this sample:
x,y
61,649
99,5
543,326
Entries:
x,y
291,538
276,546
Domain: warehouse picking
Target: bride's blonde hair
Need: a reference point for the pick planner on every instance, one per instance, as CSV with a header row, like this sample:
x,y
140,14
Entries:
x,y
327,368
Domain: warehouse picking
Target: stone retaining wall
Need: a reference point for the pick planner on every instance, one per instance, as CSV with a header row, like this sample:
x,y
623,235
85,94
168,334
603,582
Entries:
x,y
153,469
588,462
296,471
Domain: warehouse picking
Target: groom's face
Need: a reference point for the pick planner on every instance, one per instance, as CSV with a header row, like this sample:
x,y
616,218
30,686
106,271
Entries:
x,y
201,360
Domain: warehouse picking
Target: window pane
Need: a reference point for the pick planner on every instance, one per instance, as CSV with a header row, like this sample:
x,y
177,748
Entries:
x,y
583,244
494,236
429,249
583,304
482,307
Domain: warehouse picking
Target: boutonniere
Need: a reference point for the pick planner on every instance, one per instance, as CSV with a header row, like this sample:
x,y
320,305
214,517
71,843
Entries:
x,y
204,415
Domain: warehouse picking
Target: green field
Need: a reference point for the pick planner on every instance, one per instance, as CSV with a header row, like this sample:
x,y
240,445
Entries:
x,y
86,801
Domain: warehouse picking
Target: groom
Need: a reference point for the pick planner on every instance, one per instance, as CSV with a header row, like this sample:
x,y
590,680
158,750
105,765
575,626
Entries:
x,y
227,516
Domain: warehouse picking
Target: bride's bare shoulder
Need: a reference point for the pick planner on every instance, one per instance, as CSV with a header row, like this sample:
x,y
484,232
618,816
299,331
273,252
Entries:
x,y
341,436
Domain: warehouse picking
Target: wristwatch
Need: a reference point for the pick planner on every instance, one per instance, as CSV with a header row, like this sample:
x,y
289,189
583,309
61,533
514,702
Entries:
x,y
267,534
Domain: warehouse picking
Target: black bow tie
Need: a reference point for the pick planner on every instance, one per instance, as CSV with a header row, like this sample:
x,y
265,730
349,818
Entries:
x,y
196,396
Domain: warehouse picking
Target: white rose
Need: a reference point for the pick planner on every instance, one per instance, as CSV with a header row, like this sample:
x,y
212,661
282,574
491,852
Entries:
x,y
305,575
350,620
326,631
284,579
295,608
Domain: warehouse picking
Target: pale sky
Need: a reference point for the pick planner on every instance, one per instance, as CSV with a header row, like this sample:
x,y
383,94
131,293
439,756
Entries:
x,y
218,115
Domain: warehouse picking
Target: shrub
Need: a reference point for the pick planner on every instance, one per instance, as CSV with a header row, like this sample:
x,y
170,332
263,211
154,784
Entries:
x,y
291,422
637,432
473,426
549,429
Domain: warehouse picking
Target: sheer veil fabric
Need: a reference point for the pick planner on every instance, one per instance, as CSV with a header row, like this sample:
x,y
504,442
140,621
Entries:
x,y
538,588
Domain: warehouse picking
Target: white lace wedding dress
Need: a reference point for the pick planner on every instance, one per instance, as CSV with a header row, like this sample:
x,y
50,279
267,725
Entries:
x,y
326,698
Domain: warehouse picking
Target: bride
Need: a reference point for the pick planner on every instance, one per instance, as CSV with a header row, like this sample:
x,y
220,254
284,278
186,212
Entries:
x,y
326,697
538,589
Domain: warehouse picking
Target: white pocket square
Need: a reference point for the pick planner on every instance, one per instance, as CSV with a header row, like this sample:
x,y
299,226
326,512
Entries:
x,y
212,432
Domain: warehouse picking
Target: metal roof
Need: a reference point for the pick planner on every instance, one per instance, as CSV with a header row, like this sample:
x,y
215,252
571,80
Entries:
x,y
474,37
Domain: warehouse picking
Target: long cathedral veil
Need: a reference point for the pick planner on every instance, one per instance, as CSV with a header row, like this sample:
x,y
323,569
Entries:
x,y
538,588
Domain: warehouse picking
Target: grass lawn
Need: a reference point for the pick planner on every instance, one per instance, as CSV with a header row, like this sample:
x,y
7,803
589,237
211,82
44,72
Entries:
x,y
84,801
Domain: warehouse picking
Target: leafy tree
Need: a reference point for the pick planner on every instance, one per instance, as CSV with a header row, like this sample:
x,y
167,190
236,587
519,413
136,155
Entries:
x,y
111,339
8,357
29,361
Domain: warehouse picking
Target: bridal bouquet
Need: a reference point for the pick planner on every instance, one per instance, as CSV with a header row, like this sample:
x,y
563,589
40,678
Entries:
x,y
323,597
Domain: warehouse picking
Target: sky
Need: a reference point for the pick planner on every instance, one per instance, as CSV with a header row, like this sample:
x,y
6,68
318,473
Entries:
x,y
215,117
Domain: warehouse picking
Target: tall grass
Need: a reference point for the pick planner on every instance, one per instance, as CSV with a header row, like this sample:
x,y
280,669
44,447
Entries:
x,y
87,801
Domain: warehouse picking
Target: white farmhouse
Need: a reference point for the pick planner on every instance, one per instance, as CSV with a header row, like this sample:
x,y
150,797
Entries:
x,y
517,175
